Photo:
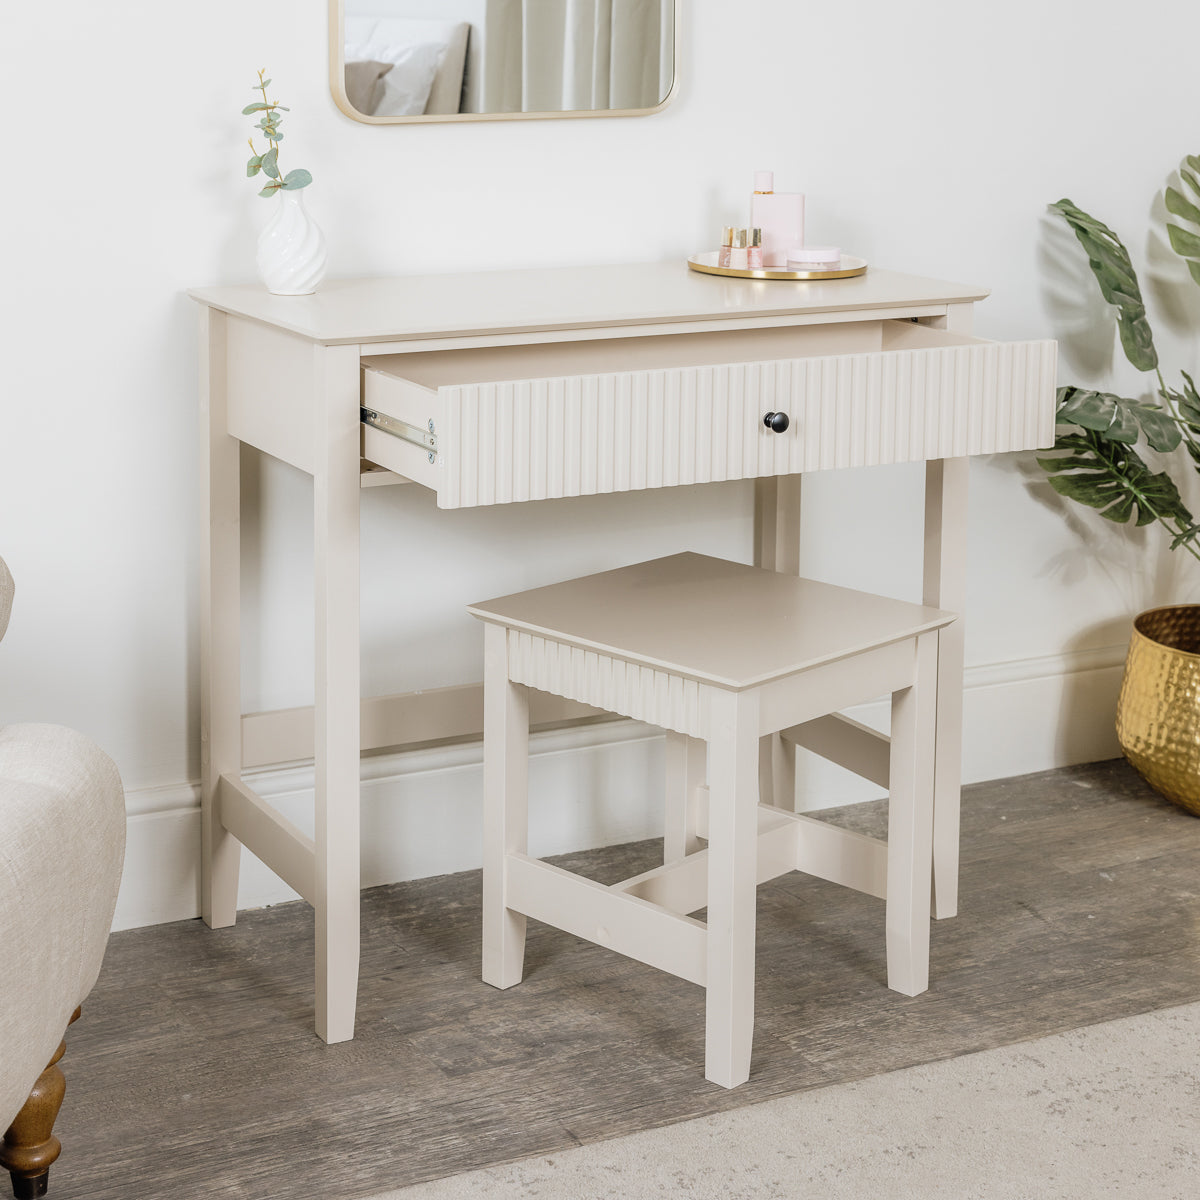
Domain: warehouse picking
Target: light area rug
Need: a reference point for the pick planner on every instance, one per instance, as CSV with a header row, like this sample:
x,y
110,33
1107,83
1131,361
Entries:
x,y
1112,1110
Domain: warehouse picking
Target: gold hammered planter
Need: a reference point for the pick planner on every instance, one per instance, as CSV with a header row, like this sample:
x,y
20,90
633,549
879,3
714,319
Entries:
x,y
1158,712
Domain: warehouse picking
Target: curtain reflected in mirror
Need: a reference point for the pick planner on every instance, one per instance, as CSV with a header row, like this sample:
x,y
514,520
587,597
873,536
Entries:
x,y
448,59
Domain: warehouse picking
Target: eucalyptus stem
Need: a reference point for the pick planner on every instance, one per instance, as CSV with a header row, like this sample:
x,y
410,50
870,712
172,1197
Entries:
x,y
268,161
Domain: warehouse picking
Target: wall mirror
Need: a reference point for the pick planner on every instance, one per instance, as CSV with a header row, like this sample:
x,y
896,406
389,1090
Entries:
x,y
394,61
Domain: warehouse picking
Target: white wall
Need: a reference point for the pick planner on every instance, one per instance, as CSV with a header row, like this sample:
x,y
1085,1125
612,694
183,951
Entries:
x,y
929,140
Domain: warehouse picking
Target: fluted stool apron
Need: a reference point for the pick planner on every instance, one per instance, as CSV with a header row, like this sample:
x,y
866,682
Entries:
x,y
716,653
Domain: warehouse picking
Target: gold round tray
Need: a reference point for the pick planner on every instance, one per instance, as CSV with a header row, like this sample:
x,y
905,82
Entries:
x,y
707,264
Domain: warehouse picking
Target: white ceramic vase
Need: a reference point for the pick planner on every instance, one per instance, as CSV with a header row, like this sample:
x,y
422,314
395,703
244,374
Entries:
x,y
291,248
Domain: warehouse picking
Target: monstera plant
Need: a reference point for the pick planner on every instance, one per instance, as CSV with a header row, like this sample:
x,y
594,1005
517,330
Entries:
x,y
1096,460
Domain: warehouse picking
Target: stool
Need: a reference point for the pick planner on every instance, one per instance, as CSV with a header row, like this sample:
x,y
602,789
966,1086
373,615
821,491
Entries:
x,y
721,653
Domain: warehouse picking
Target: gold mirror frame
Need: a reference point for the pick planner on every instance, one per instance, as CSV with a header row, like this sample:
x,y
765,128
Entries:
x,y
337,85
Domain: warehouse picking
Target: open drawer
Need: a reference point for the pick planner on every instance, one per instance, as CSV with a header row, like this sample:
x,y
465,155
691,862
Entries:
x,y
490,426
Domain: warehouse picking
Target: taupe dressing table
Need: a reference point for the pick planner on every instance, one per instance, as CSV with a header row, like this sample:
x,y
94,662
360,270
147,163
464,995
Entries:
x,y
528,385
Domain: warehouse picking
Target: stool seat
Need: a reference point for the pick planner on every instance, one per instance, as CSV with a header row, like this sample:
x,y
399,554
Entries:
x,y
717,622
720,655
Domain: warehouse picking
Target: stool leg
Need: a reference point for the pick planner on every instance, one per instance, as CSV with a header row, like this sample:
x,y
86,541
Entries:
x,y
732,887
505,809
910,824
685,775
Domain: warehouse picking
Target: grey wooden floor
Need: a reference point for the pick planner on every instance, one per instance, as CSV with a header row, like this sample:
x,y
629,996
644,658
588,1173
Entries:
x,y
195,1072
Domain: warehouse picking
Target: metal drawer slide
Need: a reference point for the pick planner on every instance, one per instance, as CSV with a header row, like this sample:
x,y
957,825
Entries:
x,y
425,438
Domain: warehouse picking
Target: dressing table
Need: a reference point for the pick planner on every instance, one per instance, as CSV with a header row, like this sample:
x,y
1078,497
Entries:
x,y
515,386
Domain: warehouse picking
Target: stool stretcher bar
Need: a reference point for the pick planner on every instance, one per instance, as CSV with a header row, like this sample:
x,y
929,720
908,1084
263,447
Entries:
x,y
651,934
787,842
848,743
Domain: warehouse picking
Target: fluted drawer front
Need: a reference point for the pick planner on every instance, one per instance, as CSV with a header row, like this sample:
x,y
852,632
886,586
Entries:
x,y
912,398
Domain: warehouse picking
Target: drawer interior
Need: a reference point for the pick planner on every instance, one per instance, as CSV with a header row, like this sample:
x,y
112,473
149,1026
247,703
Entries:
x,y
499,364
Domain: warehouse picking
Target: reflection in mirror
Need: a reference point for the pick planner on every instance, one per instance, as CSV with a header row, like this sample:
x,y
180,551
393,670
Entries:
x,y
475,59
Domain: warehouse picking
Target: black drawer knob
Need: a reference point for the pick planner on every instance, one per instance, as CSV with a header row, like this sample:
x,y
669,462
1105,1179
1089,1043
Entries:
x,y
776,421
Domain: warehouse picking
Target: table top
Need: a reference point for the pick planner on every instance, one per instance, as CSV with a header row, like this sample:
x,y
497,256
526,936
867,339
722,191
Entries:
x,y
663,613
349,311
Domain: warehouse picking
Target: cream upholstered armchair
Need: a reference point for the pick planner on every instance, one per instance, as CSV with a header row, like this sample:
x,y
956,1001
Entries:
x,y
62,845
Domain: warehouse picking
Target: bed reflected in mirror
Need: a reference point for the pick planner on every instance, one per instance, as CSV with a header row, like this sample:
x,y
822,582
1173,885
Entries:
x,y
446,60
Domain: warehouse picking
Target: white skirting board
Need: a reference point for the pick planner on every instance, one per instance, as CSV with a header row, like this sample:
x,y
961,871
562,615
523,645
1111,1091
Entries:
x,y
594,786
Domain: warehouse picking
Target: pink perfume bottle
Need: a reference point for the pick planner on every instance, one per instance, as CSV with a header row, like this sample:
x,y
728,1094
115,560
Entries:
x,y
780,216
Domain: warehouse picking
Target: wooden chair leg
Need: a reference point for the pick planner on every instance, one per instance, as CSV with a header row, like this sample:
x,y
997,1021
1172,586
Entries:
x,y
29,1147
732,890
505,809
910,825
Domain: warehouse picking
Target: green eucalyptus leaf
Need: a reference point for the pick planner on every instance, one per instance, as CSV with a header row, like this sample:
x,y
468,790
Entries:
x,y
1181,207
297,179
266,83
253,108
254,166
1114,272
270,189
270,161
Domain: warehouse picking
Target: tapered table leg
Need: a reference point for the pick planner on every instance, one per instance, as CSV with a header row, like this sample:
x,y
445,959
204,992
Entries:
x,y
337,695
220,625
777,548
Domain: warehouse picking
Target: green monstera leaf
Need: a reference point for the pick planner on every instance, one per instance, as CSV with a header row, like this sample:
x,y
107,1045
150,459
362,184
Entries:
x,y
1118,282
1112,478
1118,419
1186,205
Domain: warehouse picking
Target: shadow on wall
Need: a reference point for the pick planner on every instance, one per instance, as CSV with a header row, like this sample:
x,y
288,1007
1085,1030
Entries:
x,y
1176,298
1082,321
1088,706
